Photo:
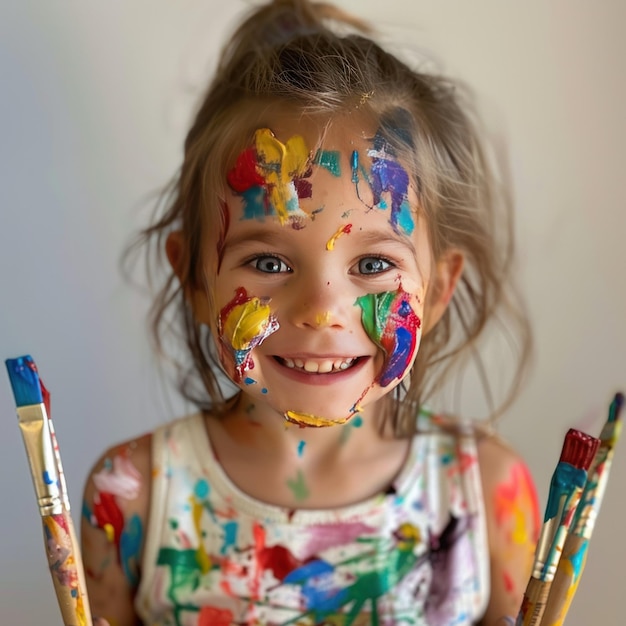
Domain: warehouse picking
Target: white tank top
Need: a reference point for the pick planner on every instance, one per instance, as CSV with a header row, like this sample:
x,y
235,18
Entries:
x,y
214,556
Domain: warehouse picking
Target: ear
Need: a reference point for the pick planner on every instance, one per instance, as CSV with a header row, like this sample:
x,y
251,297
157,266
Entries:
x,y
194,296
448,270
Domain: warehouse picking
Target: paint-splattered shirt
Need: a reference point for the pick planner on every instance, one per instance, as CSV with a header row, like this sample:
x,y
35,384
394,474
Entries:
x,y
416,554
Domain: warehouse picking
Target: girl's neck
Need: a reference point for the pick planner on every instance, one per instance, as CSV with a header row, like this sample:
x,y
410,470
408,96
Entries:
x,y
293,467
264,429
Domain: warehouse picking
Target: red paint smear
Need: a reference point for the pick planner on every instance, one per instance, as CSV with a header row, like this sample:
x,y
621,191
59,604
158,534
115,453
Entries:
x,y
212,616
221,240
278,559
106,511
241,297
509,585
46,396
346,229
304,189
245,175
61,520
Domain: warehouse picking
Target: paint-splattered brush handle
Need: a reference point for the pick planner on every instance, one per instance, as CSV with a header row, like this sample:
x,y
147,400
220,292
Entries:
x,y
566,580
44,458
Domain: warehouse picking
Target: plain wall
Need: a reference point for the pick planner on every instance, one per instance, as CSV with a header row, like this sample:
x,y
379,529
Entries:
x,y
94,102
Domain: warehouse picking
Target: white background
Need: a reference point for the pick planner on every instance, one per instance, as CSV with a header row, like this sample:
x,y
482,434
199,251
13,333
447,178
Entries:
x,y
94,103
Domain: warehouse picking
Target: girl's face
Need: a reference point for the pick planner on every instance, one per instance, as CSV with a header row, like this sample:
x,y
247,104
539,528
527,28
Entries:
x,y
320,277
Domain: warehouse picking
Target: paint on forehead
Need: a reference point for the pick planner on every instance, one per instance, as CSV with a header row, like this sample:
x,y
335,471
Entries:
x,y
388,176
392,324
330,160
271,176
244,323
342,230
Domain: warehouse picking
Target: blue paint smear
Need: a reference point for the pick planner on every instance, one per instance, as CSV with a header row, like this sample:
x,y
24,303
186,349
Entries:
x,y
249,381
255,205
354,166
577,560
329,160
264,390
201,489
46,478
565,478
230,536
301,447
357,422
130,545
389,176
399,358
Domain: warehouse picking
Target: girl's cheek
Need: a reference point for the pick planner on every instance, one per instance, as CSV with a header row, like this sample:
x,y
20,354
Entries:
x,y
243,324
391,321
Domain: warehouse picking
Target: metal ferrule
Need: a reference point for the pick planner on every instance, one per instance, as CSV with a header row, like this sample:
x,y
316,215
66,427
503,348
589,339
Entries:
x,y
33,423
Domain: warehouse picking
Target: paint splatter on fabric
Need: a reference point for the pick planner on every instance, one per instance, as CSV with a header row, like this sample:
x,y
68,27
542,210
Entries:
x,y
244,323
393,325
413,555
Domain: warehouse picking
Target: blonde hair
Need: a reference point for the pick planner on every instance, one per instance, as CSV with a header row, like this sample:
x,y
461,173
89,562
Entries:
x,y
319,59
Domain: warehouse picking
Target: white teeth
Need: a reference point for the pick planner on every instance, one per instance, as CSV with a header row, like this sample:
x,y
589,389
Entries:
x,y
319,367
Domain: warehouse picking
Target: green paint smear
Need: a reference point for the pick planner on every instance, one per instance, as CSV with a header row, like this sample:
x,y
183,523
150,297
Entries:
x,y
375,309
329,160
298,486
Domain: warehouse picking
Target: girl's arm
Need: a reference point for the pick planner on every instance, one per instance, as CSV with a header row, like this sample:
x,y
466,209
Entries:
x,y
513,526
113,523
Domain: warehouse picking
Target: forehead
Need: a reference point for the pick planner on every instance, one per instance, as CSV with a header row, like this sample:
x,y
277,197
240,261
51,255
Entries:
x,y
293,168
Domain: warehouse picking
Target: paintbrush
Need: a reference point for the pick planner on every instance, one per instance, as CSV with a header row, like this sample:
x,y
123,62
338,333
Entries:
x,y
42,450
566,487
572,561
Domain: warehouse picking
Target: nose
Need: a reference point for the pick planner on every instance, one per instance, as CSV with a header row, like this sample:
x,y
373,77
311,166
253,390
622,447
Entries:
x,y
321,302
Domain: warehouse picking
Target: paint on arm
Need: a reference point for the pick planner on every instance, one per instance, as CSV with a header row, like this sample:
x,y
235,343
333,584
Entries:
x,y
114,516
513,523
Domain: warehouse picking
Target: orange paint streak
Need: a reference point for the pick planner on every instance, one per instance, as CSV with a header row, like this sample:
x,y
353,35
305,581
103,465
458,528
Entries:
x,y
513,500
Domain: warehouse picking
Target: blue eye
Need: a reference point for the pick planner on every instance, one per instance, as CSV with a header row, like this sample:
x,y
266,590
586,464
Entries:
x,y
270,264
373,265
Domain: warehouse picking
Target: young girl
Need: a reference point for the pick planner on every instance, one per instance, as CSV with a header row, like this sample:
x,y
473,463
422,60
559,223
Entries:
x,y
331,237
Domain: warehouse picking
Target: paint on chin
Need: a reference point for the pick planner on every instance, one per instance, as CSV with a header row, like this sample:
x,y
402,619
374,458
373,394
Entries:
x,y
244,323
392,324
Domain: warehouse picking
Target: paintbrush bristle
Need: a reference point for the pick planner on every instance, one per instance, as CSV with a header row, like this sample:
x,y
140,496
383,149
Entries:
x,y
616,407
613,426
24,381
579,448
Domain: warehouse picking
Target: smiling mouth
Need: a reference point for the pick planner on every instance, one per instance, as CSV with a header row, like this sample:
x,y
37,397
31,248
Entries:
x,y
319,366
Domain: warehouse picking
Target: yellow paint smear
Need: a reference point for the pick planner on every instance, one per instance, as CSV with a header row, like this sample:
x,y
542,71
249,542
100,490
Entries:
x,y
323,319
281,163
245,322
330,244
202,558
313,421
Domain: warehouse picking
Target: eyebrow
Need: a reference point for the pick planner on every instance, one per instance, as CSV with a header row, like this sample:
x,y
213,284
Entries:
x,y
258,235
274,235
391,237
